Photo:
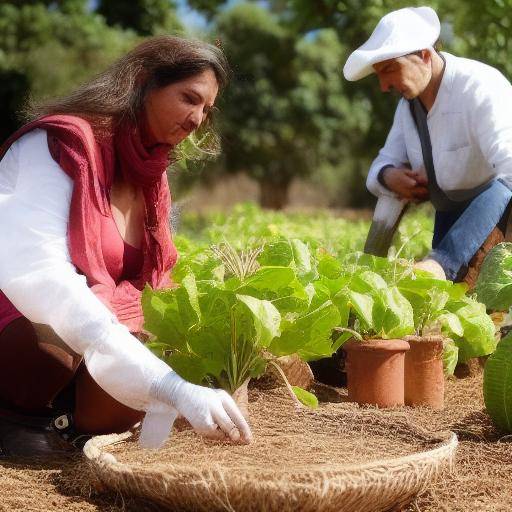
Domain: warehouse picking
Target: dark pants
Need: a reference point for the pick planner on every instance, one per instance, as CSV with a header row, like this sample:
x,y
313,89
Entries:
x,y
460,234
38,377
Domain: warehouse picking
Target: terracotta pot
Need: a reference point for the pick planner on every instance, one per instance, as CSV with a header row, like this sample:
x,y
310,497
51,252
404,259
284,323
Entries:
x,y
424,375
375,371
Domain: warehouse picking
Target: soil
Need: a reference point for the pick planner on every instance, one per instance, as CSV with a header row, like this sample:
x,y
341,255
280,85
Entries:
x,y
482,479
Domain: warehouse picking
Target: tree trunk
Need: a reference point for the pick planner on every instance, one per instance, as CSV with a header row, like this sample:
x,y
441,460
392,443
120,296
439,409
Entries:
x,y
274,195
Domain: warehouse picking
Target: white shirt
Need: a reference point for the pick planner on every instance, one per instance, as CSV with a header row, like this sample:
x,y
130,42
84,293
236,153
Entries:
x,y
470,126
38,277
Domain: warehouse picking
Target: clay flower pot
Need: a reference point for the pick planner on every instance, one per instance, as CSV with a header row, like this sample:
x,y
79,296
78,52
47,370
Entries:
x,y
424,375
375,371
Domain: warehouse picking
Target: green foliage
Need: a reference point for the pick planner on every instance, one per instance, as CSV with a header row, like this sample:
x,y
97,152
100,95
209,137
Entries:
x,y
498,385
222,328
247,225
305,397
55,50
439,307
483,29
281,116
146,17
494,284
320,297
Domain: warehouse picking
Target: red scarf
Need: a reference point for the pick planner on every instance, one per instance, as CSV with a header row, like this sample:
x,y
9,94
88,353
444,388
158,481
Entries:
x,y
92,165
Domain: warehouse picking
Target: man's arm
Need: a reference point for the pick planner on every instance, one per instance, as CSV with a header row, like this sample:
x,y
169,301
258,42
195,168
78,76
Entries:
x,y
389,173
491,123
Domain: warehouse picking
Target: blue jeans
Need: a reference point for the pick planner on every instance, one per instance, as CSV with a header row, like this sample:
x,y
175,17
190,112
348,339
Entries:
x,y
459,234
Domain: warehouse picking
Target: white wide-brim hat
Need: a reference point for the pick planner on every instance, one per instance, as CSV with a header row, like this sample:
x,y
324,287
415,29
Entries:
x,y
398,33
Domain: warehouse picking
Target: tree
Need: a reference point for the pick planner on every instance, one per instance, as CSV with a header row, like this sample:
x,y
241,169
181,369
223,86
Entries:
x,y
359,117
483,30
285,114
146,17
46,51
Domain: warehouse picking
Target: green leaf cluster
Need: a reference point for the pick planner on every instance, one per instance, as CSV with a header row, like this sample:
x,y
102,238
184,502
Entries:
x,y
215,328
494,284
498,385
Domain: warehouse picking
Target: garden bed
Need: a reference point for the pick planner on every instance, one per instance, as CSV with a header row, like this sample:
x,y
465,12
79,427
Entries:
x,y
481,480
336,458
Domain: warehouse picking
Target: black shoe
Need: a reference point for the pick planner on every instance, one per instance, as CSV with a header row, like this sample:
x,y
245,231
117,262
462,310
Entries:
x,y
35,437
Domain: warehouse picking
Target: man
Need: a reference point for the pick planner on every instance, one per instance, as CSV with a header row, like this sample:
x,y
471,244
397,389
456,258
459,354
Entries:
x,y
451,138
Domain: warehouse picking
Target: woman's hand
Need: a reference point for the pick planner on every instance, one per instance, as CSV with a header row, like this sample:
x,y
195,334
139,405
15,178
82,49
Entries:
x,y
211,412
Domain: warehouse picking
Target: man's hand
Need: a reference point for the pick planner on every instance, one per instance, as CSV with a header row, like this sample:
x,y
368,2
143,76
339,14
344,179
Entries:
x,y
406,183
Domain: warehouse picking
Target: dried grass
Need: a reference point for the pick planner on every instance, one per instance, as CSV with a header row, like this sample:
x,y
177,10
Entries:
x,y
482,480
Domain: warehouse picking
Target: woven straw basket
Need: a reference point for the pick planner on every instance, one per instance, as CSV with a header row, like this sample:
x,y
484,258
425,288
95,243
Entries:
x,y
376,486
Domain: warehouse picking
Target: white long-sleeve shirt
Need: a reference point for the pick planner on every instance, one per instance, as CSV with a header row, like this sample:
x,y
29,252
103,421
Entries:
x,y
470,126
38,277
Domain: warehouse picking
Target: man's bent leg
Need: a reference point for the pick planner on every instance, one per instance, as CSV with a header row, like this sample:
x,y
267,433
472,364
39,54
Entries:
x,y
471,230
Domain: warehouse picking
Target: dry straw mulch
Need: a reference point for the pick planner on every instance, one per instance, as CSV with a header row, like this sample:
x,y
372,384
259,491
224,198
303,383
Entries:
x,y
337,458
482,480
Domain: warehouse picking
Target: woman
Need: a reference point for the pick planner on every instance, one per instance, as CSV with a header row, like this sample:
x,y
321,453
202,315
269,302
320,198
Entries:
x,y
84,203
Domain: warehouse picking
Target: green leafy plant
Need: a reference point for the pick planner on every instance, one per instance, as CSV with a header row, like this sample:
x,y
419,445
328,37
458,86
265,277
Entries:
x,y
498,385
226,327
494,284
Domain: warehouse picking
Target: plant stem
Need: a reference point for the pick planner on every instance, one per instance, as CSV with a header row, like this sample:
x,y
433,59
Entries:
x,y
351,331
286,383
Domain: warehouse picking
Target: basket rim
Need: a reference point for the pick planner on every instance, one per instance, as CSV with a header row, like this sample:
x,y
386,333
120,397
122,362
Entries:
x,y
445,449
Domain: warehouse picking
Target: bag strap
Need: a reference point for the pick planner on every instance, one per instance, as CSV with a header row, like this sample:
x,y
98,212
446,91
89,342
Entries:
x,y
438,198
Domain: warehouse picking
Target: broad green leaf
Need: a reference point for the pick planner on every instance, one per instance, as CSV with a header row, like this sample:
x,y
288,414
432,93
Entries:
x,y
189,284
276,254
479,331
494,284
189,367
305,397
268,278
342,302
213,347
318,348
367,282
329,266
258,369
162,317
301,256
265,316
450,324
498,385
309,335
450,356
363,308
392,314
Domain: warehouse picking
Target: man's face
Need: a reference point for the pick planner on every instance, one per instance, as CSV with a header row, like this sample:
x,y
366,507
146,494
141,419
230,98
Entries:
x,y
408,75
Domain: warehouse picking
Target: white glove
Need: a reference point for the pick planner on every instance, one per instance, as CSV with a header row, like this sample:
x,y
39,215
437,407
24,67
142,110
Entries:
x,y
211,412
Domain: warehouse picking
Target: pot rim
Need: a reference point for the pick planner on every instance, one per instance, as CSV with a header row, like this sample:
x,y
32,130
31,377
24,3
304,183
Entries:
x,y
377,345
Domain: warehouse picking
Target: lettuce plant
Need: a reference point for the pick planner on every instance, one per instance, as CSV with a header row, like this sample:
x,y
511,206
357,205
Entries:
x,y
226,327
438,307
494,284
498,385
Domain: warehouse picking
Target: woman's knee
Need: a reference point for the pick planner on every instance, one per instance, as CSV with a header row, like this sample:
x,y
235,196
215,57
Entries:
x,y
31,372
96,412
